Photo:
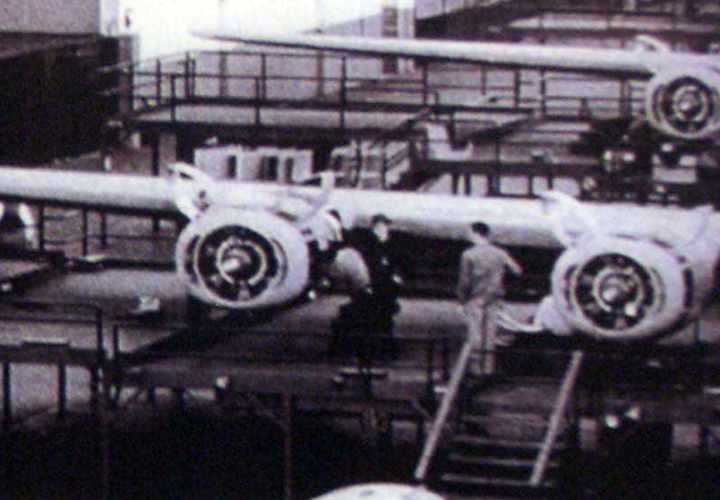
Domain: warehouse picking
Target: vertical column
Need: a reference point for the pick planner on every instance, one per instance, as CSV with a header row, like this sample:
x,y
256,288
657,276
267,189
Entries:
x,y
343,91
7,396
62,389
222,74
85,236
155,153
289,413
41,227
103,230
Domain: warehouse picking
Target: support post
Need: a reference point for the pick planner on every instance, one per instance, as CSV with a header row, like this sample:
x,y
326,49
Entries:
x,y
41,227
7,396
289,407
262,91
543,93
343,91
62,389
103,230
158,82
155,153
173,98
85,236
425,89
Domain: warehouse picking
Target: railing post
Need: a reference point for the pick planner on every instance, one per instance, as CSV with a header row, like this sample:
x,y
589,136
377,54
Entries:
x,y
7,396
173,97
483,80
343,91
383,167
158,82
222,74
425,89
41,227
430,360
261,91
85,232
103,230
517,84
257,102
543,93
62,389
186,74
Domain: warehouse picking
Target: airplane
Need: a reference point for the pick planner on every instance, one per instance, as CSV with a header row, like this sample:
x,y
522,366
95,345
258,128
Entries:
x,y
625,273
384,491
682,96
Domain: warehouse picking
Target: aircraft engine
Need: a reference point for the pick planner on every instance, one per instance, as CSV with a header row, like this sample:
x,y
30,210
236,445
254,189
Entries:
x,y
625,289
684,104
242,259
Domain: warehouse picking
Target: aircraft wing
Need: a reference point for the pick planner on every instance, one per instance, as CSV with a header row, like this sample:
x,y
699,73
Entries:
x,y
113,192
624,274
593,60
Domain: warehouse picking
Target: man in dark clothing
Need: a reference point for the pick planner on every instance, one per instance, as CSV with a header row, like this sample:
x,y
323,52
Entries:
x,y
385,281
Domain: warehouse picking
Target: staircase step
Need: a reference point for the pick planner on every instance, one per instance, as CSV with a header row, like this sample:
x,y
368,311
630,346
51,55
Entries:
x,y
506,443
490,461
483,466
495,447
462,483
519,427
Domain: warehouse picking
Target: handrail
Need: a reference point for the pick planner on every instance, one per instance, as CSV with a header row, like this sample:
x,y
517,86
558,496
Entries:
x,y
553,431
444,412
420,115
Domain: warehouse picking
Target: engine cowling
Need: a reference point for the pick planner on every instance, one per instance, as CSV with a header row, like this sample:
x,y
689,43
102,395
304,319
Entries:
x,y
625,289
241,259
684,104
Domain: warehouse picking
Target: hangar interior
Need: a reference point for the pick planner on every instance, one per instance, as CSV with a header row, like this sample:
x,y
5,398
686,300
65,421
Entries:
x,y
93,313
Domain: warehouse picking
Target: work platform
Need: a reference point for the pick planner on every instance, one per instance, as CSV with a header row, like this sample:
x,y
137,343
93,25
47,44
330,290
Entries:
x,y
271,369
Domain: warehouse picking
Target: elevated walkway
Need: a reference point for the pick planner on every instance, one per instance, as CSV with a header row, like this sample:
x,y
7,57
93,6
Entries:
x,y
280,97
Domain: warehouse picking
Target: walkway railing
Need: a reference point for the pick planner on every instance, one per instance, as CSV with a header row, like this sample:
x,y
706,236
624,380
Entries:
x,y
446,406
560,411
343,84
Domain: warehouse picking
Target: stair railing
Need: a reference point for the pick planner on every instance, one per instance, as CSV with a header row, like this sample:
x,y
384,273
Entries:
x,y
560,409
443,413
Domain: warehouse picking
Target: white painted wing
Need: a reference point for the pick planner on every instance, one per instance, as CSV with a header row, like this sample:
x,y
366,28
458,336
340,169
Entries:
x,y
514,222
593,60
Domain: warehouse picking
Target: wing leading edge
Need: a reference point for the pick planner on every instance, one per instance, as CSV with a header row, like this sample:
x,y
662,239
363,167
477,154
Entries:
x,y
591,60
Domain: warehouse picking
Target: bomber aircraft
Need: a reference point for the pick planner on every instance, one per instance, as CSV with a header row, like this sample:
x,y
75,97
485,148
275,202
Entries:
x,y
682,96
624,272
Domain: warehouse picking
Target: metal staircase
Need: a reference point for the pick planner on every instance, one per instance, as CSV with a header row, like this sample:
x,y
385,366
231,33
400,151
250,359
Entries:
x,y
503,445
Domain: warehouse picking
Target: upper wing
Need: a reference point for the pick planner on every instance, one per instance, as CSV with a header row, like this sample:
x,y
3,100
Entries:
x,y
604,61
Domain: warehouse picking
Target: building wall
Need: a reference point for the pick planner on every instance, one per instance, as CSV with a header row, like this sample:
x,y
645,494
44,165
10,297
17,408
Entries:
x,y
50,16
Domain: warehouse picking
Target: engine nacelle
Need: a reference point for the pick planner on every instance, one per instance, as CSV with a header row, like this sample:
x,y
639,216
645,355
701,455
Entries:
x,y
684,104
625,289
241,259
